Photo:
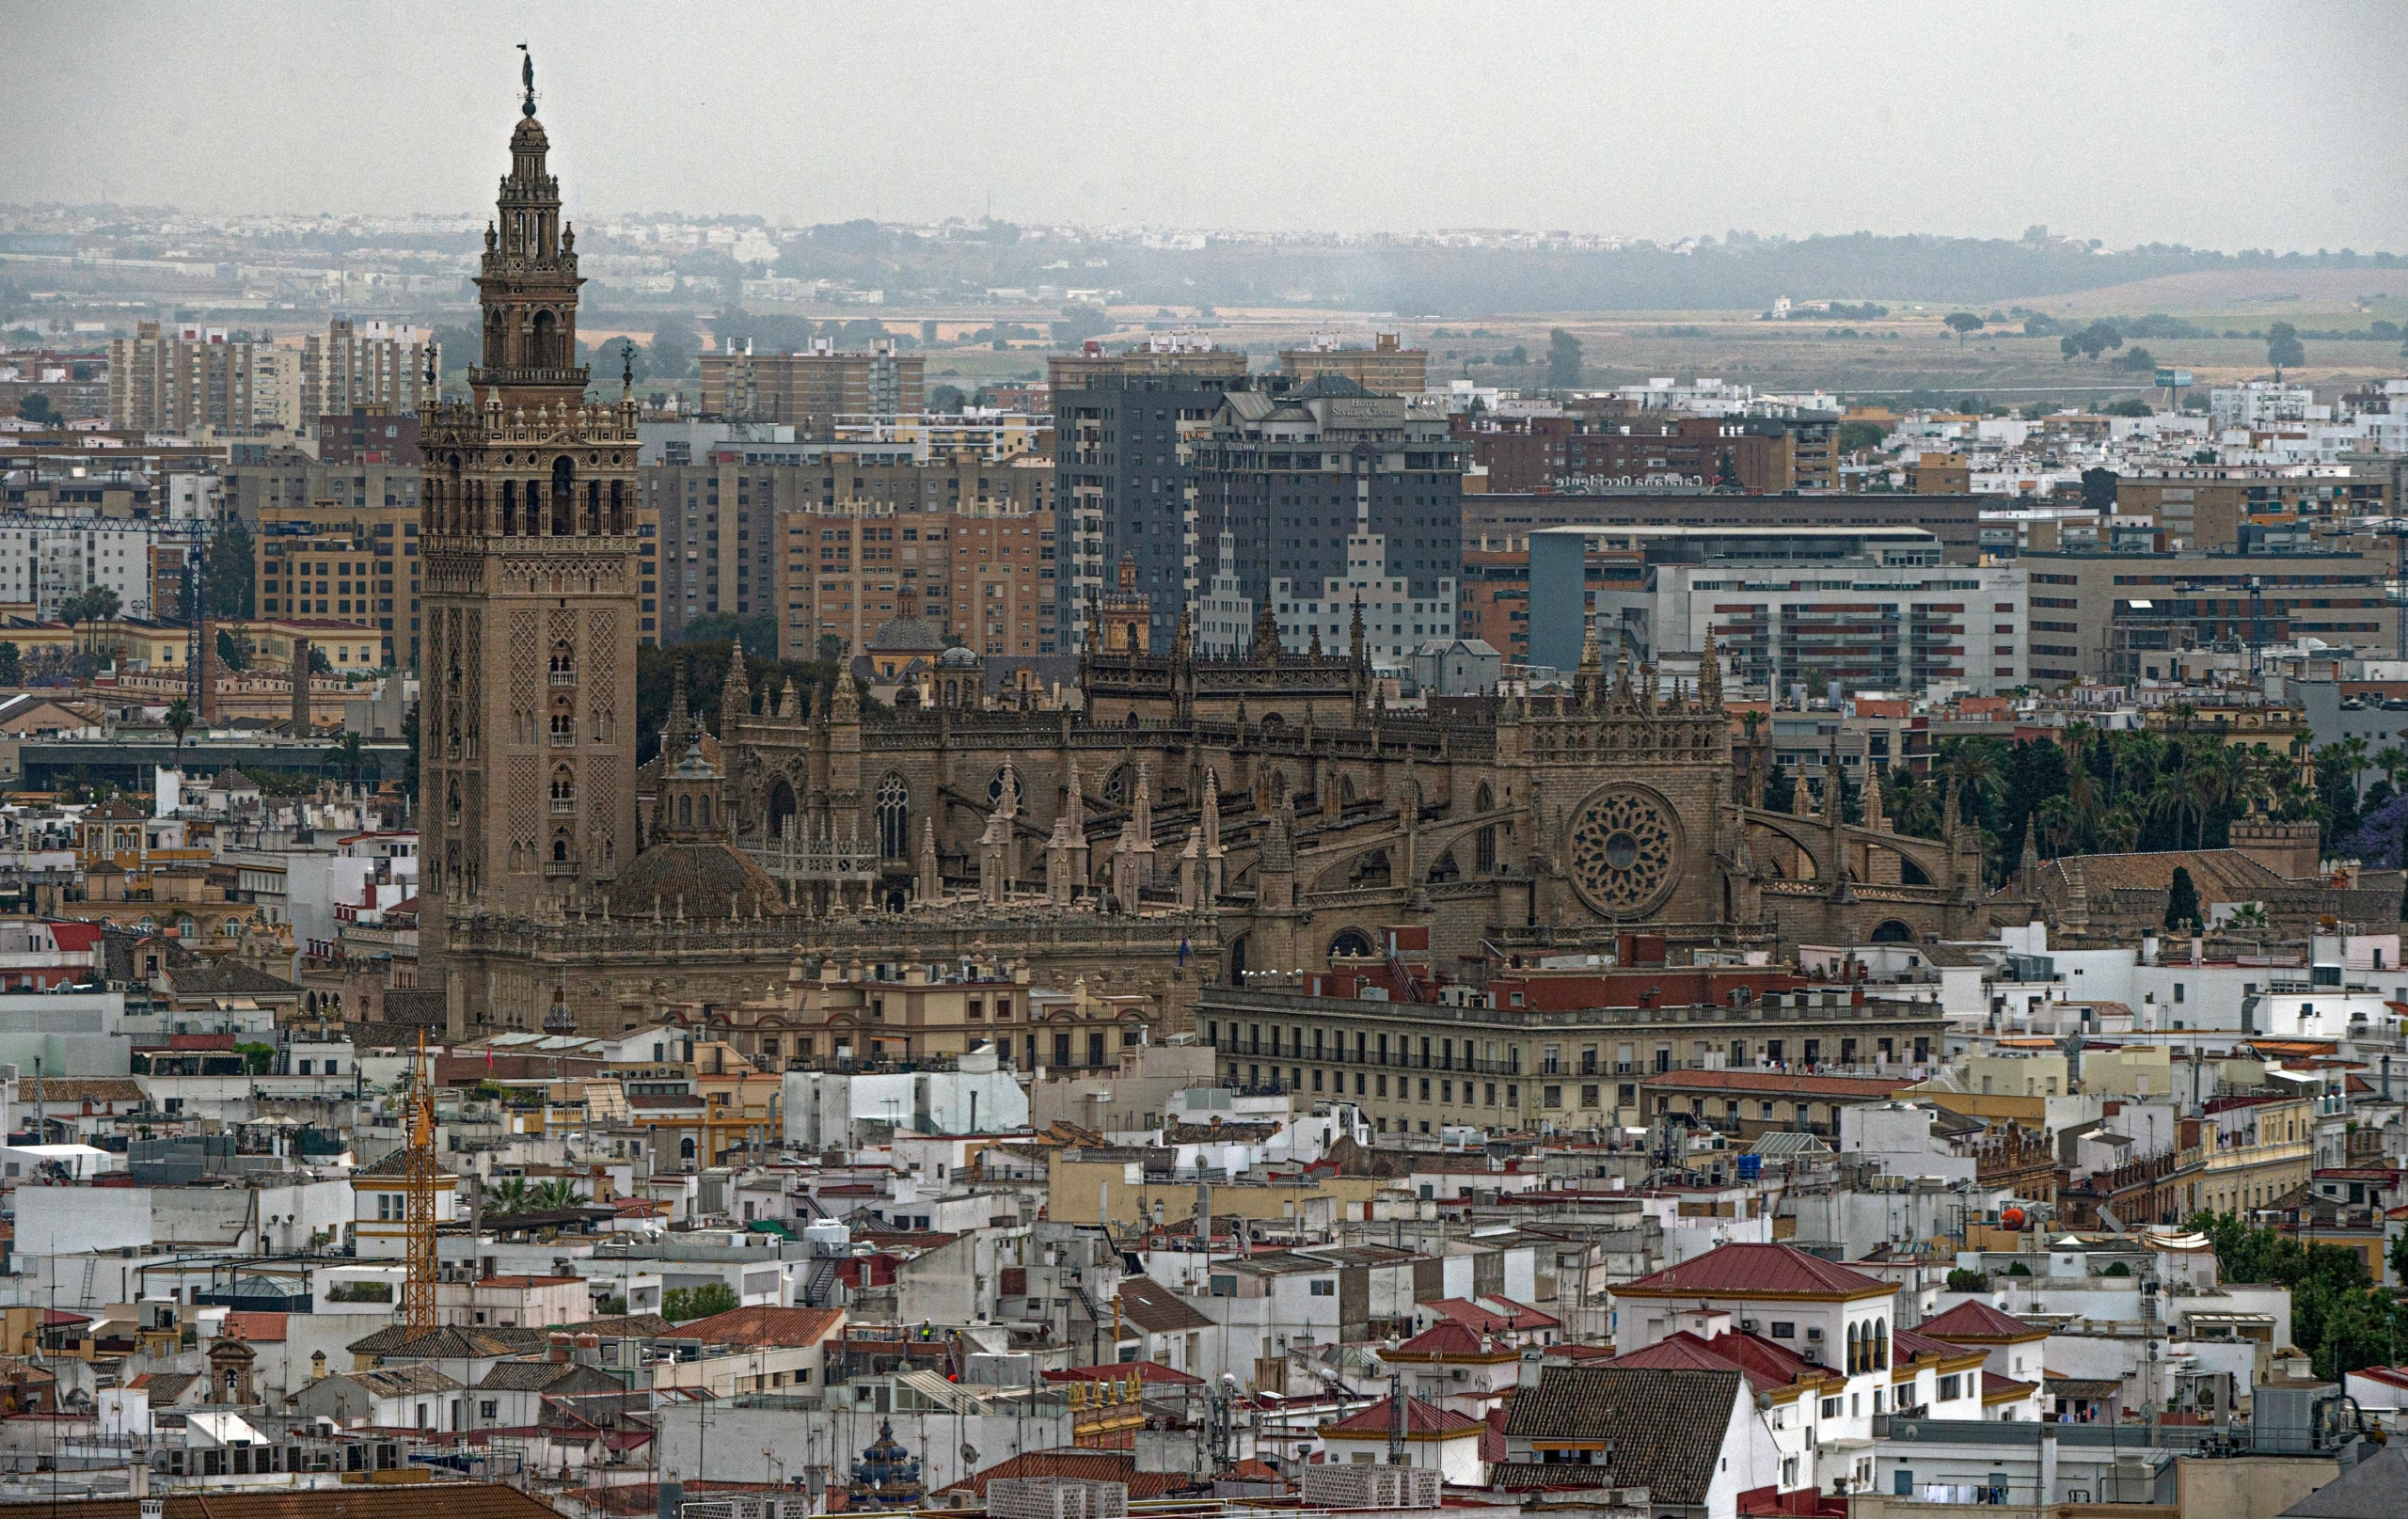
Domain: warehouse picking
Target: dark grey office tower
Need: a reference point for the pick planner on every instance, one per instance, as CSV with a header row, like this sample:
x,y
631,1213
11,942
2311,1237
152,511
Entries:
x,y
1124,428
1293,470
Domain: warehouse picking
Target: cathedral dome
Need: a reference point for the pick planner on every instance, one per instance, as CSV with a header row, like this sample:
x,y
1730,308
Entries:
x,y
908,635
528,137
702,874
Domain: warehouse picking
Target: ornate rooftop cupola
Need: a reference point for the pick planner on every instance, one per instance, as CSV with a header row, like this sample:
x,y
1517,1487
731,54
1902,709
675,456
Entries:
x,y
527,280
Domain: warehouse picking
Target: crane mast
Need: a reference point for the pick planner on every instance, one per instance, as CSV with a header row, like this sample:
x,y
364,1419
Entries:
x,y
417,1289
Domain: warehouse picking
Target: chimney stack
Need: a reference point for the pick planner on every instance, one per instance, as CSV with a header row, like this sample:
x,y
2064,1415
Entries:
x,y
300,687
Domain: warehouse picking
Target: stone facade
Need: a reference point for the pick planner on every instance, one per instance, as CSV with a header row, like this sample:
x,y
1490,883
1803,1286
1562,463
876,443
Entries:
x,y
529,526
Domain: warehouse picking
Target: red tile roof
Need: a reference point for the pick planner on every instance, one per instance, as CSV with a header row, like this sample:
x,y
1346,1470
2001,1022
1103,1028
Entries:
x,y
1766,1364
1448,1336
1484,1320
1151,1371
1777,1270
1077,1466
1999,1389
1974,1320
762,1326
268,1326
1782,1083
422,1500
1419,1418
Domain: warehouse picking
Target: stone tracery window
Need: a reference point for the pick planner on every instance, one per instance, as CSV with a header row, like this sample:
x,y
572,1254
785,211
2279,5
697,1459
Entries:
x,y
894,818
1623,850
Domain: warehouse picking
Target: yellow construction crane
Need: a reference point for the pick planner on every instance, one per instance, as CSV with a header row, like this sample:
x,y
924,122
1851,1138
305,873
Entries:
x,y
419,1176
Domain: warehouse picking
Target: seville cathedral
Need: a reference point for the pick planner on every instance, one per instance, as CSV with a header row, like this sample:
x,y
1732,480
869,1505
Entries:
x,y
1194,820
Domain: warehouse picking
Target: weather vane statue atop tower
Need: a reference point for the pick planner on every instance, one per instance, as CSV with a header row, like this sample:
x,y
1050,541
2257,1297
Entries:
x,y
527,76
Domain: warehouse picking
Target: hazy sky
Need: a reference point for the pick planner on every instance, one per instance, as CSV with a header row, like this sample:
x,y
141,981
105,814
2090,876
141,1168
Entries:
x,y
2127,121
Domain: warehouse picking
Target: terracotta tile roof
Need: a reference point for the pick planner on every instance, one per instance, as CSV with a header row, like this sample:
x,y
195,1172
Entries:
x,y
418,1500
64,1089
1664,1427
1766,1364
1907,1347
1779,1270
1782,1083
1073,1464
1481,1318
1974,1320
1999,1389
268,1326
449,1342
1150,1371
2220,875
762,1326
1156,1309
1419,1418
1448,1336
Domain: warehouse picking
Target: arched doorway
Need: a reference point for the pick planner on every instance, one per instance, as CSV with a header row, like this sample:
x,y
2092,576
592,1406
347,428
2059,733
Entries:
x,y
780,810
1238,948
1891,931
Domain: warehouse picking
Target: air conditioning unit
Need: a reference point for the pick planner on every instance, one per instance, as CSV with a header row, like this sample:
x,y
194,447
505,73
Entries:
x,y
1814,1334
1746,1326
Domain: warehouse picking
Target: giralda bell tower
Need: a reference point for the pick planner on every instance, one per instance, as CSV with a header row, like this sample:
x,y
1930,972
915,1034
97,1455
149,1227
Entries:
x,y
527,718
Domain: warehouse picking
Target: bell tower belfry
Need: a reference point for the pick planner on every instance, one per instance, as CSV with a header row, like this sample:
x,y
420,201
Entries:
x,y
529,532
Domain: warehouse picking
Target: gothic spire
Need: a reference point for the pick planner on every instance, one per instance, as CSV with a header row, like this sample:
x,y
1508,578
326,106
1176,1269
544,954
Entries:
x,y
736,694
1710,675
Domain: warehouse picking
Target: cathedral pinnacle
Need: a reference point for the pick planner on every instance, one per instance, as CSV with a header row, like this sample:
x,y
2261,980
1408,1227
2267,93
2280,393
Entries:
x,y
1709,676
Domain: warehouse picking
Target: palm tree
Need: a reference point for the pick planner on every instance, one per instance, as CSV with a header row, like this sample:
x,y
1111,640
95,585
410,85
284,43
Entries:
x,y
2119,833
180,717
510,1194
2058,821
348,754
556,1195
2177,796
1975,769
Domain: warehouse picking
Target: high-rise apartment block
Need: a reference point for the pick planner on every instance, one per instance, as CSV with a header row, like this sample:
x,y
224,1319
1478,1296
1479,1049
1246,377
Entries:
x,y
809,390
824,535
1125,426
1330,493
196,378
1388,368
373,365
358,565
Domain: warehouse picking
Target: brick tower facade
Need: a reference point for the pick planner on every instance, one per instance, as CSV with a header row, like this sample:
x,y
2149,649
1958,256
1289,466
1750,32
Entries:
x,y
527,728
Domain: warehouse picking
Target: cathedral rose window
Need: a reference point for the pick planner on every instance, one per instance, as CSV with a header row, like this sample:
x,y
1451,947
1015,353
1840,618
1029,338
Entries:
x,y
1623,850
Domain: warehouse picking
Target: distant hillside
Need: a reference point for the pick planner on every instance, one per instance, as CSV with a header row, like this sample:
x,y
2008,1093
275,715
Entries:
x,y
1740,274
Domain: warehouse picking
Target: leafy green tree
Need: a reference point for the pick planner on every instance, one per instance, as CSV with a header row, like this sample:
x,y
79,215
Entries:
x,y
1856,436
946,398
681,1304
230,655
228,571
830,647
2138,361
671,353
2283,347
1563,359
1963,324
759,632
258,1059
12,664
409,759
2181,902
34,408
2099,488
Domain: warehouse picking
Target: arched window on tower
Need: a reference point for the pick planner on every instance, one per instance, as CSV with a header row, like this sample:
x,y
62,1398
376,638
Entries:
x,y
685,811
545,341
563,496
510,508
563,789
894,818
